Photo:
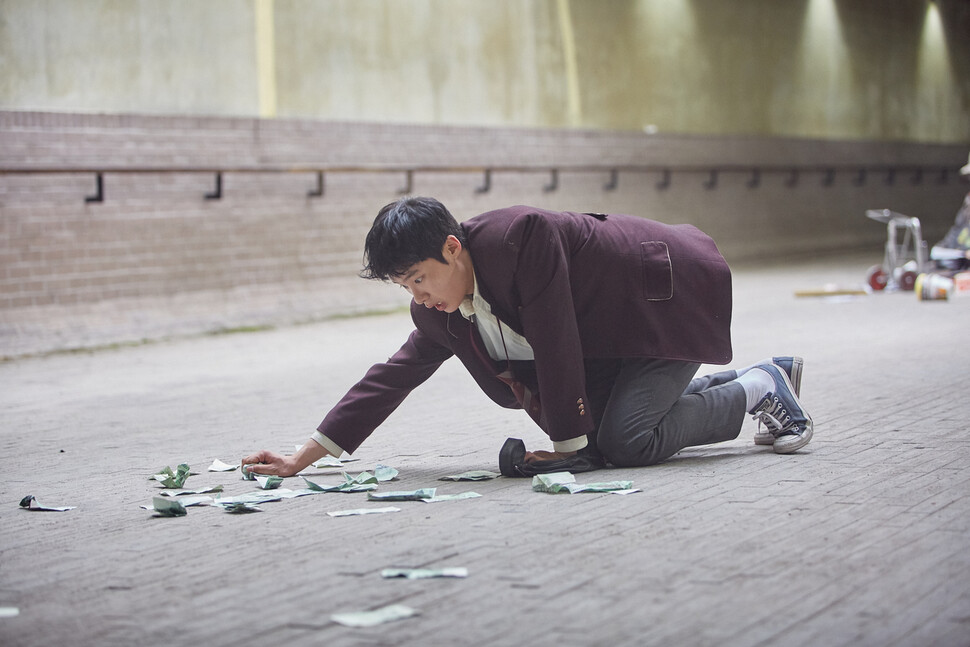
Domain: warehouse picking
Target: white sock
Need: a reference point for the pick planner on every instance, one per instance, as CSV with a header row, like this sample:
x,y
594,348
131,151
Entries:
x,y
742,371
757,384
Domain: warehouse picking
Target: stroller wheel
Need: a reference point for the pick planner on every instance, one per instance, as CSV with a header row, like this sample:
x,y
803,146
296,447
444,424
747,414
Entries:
x,y
907,281
878,278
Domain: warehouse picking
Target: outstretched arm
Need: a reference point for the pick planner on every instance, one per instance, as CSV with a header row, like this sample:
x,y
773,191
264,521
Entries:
x,y
267,462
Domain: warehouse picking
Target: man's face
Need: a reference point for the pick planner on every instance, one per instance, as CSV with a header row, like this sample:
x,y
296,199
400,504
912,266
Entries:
x,y
438,285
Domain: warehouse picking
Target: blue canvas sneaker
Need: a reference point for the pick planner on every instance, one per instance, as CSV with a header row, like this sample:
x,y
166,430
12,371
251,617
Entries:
x,y
792,366
783,414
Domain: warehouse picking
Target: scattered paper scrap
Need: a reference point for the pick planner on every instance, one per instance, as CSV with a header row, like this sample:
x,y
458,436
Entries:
x,y
452,497
219,466
360,511
559,482
404,495
30,503
424,573
240,508
186,502
9,612
375,617
474,475
269,482
206,490
331,461
168,507
363,482
384,473
173,479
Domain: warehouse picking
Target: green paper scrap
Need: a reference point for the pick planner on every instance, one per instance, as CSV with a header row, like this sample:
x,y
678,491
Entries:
x,y
168,507
474,475
424,573
363,482
185,502
31,503
173,479
331,461
205,490
408,495
219,466
559,482
362,511
269,482
240,508
384,473
9,612
261,496
452,497
375,617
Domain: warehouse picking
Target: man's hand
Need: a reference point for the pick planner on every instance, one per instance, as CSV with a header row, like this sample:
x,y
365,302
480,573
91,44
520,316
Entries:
x,y
532,457
266,462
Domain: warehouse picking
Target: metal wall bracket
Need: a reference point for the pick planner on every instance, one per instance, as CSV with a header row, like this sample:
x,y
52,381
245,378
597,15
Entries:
x,y
99,196
553,181
317,192
829,178
217,194
664,182
755,178
408,183
487,184
792,178
711,182
614,180
860,179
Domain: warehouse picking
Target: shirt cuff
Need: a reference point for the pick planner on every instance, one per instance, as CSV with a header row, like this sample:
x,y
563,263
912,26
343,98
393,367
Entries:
x,y
571,445
327,444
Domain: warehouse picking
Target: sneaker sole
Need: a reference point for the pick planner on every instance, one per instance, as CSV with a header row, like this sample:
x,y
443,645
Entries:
x,y
764,437
793,442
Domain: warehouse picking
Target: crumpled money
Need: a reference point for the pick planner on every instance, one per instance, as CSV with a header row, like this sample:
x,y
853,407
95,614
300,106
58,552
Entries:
x,y
29,502
219,466
168,507
361,511
269,481
375,617
474,475
559,482
363,482
424,573
384,473
452,497
205,490
173,479
408,495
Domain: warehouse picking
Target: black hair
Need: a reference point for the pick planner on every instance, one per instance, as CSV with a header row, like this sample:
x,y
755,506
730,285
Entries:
x,y
406,232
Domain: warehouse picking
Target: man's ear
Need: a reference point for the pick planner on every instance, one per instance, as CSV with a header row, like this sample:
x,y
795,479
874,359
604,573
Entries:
x,y
451,247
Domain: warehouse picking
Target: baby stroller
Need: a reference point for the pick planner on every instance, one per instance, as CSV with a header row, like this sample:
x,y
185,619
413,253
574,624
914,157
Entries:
x,y
904,259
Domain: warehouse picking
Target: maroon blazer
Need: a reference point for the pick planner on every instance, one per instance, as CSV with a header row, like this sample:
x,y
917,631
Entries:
x,y
575,285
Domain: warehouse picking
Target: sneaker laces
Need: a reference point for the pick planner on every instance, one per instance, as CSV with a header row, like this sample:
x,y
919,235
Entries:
x,y
776,417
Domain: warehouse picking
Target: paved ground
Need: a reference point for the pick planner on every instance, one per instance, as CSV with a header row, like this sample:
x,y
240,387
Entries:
x,y
861,539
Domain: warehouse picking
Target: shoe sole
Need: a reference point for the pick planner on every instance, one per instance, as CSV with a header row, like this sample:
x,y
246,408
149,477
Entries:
x,y
793,442
797,365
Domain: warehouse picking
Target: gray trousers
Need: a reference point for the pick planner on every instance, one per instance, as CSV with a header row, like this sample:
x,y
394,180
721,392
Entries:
x,y
647,410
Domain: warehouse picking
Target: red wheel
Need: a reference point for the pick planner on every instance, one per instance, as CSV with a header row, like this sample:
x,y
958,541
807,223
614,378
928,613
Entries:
x,y
877,277
907,281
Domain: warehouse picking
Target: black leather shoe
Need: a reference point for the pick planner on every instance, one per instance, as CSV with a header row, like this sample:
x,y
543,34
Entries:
x,y
511,461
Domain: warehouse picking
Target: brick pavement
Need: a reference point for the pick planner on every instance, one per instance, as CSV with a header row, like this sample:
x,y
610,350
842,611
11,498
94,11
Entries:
x,y
858,540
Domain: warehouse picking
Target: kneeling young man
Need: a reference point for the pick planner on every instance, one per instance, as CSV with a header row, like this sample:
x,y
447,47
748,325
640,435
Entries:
x,y
594,324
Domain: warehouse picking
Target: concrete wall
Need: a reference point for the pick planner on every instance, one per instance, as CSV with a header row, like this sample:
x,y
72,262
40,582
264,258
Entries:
x,y
156,258
857,69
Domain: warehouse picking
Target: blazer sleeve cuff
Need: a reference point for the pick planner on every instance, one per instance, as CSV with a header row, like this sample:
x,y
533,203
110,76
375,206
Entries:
x,y
571,445
327,444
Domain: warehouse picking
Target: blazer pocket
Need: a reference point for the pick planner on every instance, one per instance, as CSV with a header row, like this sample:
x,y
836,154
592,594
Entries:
x,y
658,275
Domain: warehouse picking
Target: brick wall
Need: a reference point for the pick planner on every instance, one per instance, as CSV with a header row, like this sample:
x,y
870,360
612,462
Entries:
x,y
156,258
